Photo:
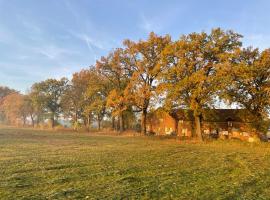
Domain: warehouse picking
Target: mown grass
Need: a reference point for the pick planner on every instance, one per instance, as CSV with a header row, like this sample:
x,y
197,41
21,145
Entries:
x,y
50,165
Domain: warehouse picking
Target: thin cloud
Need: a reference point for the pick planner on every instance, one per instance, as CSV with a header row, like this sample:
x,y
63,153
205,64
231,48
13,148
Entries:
x,y
94,45
149,25
88,31
54,52
90,41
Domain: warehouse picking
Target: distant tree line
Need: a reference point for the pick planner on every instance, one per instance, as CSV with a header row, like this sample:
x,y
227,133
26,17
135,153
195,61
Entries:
x,y
193,72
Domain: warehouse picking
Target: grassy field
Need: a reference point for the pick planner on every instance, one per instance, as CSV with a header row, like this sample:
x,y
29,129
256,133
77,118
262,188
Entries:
x,y
50,165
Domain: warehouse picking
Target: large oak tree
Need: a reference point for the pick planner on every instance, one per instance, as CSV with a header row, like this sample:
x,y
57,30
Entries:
x,y
145,67
192,81
74,98
249,83
114,69
96,96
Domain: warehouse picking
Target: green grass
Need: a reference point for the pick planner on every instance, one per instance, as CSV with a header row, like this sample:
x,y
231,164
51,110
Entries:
x,y
50,165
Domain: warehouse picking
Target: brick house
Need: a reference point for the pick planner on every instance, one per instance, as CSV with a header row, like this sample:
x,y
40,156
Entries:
x,y
227,123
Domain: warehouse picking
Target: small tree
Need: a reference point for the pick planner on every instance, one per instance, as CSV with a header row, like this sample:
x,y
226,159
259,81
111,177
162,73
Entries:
x,y
14,108
4,91
48,94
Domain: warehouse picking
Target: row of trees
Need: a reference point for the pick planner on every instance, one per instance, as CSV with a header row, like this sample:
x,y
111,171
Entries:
x,y
193,72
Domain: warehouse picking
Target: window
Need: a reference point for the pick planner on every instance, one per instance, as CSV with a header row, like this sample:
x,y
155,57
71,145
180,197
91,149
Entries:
x,y
230,124
184,132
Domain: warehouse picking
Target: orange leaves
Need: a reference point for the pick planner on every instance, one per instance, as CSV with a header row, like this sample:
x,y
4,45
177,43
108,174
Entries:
x,y
118,102
13,108
189,72
147,67
194,63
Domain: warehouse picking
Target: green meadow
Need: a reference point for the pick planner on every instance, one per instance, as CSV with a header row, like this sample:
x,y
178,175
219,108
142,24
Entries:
x,y
37,164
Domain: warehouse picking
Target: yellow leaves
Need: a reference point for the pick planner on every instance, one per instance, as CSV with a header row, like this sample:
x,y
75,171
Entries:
x,y
196,63
147,67
117,102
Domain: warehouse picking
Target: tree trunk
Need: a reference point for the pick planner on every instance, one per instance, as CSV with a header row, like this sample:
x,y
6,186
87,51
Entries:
x,y
113,123
126,123
176,126
121,123
38,119
88,123
99,121
32,120
198,127
143,122
75,122
52,119
193,129
24,121
118,123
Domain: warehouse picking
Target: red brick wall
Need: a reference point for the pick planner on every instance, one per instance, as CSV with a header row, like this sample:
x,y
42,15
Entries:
x,y
163,124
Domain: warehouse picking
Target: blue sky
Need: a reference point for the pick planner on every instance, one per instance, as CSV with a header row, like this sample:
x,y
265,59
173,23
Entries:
x,y
40,39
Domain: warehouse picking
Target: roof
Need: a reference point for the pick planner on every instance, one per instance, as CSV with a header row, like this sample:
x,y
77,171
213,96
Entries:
x,y
214,115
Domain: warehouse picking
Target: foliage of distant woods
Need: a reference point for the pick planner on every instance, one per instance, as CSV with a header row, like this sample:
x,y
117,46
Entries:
x,y
192,72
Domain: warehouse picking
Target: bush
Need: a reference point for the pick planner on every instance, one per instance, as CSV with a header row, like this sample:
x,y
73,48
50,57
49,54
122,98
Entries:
x,y
150,133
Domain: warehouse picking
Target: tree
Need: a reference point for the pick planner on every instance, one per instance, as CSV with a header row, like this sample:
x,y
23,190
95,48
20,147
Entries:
x,y
117,101
194,62
145,68
29,109
4,91
14,109
74,100
114,69
37,102
96,95
249,83
49,94
98,90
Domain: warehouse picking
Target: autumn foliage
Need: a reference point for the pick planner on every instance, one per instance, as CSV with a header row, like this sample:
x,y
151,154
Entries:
x,y
194,72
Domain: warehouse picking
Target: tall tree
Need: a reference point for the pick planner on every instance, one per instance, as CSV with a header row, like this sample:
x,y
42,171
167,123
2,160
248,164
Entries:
x,y
194,61
96,95
74,100
249,83
145,67
114,69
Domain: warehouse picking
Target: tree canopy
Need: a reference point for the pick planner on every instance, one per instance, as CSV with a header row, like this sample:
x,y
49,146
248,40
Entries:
x,y
193,72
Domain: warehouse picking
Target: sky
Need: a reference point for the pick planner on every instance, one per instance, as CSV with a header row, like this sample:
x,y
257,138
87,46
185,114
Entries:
x,y
42,39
